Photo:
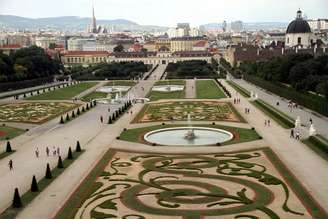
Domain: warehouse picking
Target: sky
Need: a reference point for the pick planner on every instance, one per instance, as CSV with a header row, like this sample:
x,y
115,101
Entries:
x,y
170,12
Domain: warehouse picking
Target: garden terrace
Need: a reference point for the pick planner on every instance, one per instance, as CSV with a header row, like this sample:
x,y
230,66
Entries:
x,y
157,95
190,69
178,111
33,112
147,185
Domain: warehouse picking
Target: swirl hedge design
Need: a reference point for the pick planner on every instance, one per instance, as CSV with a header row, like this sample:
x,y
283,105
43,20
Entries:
x,y
229,185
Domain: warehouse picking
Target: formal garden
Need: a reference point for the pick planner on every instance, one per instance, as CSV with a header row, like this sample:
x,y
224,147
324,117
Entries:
x,y
208,89
33,112
241,184
168,94
179,110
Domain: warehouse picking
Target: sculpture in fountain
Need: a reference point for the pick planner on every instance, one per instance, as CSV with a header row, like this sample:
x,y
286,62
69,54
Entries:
x,y
190,135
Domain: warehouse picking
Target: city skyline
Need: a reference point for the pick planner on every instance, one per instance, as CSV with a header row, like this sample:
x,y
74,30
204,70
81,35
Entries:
x,y
147,12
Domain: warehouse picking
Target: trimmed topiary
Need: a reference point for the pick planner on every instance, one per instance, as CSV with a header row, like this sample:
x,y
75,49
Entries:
x,y
61,120
117,114
48,172
17,202
110,120
60,164
73,114
34,185
8,147
78,112
83,109
78,147
67,117
87,107
70,154
113,117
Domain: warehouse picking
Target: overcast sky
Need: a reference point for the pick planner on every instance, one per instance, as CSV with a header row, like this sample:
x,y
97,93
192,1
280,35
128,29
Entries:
x,y
169,12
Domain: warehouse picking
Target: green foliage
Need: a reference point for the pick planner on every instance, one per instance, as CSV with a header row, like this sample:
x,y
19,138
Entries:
x,y
61,120
319,145
60,164
48,172
70,154
190,69
208,89
17,202
27,63
119,48
8,147
34,185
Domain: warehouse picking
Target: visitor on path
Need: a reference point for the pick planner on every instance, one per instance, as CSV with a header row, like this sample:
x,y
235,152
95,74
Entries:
x,y
234,101
311,121
101,119
10,164
298,135
109,110
58,151
269,122
54,151
277,103
47,151
292,133
37,152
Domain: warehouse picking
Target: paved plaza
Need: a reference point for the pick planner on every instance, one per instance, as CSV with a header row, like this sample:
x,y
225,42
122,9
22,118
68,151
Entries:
x,y
274,176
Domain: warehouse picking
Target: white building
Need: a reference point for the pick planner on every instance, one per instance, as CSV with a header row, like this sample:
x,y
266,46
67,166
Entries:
x,y
44,42
76,44
299,32
318,25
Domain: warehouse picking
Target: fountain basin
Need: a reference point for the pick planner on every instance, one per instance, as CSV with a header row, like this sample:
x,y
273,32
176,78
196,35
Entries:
x,y
113,89
168,88
176,136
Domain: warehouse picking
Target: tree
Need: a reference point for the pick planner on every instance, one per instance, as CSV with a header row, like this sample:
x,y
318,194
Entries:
x,y
67,117
61,120
48,172
17,202
52,45
73,114
78,111
70,154
322,88
34,185
78,147
60,164
119,48
8,147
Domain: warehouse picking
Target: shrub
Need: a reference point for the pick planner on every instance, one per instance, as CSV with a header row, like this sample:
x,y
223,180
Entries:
x,y
60,164
48,172
78,111
61,120
83,109
87,107
118,137
218,144
110,120
34,185
8,147
17,202
73,114
67,117
78,147
70,154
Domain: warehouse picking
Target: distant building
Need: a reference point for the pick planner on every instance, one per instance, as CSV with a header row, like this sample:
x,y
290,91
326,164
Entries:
x,y
93,28
318,25
44,41
299,32
184,43
7,49
84,58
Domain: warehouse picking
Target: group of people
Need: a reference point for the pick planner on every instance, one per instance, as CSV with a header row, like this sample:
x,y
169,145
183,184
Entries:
x,y
247,110
267,122
292,106
55,151
236,100
295,134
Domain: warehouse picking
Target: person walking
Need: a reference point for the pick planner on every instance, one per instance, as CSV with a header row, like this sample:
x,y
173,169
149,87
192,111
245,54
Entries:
x,y
101,119
58,151
311,121
37,152
47,151
10,164
265,123
54,151
298,135
292,133
269,122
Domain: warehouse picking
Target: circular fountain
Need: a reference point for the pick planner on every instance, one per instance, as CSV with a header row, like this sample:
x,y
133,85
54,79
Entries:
x,y
168,88
113,89
188,136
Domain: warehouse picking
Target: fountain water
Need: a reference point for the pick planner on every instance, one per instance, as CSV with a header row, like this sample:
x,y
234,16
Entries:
x,y
190,135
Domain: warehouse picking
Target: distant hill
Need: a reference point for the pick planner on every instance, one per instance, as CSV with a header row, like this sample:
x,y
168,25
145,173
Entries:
x,y
66,23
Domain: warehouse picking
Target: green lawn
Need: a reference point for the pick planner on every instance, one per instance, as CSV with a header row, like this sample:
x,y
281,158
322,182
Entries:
x,y
281,118
208,89
319,145
65,93
94,95
240,89
243,135
10,132
155,95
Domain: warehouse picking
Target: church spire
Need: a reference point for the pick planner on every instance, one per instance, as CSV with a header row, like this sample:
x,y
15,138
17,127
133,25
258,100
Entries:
x,y
94,23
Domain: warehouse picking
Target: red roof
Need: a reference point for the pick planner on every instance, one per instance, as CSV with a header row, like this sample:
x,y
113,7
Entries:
x,y
200,44
85,53
11,46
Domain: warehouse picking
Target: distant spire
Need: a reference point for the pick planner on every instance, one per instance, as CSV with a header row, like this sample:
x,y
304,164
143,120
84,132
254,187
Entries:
x,y
94,23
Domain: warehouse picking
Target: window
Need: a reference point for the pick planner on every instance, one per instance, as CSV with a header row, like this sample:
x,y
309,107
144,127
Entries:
x,y
299,40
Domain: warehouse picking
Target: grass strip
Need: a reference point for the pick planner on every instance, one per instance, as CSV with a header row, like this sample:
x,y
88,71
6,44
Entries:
x,y
318,144
10,132
208,89
240,89
278,116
